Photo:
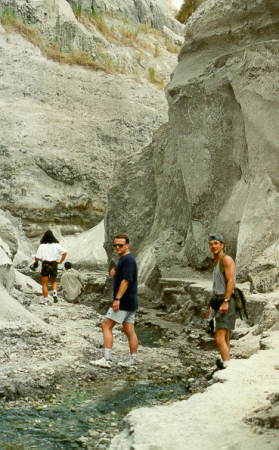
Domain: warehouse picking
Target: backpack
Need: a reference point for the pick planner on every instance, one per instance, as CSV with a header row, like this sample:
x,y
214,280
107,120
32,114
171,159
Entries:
x,y
240,300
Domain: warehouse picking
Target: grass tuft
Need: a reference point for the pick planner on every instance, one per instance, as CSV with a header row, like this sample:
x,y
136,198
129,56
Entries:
x,y
153,78
187,9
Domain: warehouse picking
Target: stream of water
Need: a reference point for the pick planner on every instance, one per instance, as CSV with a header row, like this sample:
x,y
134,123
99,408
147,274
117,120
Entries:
x,y
99,407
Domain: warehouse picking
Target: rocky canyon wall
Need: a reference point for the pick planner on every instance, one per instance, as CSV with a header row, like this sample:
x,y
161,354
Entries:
x,y
61,126
214,165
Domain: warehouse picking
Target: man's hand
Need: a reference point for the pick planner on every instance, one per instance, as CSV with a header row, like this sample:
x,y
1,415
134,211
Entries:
x,y
115,305
224,308
207,313
112,272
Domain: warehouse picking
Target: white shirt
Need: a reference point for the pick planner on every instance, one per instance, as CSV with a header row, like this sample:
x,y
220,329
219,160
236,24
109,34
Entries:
x,y
50,252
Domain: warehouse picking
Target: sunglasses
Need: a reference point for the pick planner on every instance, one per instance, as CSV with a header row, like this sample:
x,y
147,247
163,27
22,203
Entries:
x,y
214,243
118,245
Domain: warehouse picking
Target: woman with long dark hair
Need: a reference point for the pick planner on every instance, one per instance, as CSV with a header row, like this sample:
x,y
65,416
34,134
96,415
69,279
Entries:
x,y
51,254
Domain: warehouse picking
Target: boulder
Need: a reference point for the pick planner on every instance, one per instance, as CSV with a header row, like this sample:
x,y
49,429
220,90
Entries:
x,y
85,250
16,245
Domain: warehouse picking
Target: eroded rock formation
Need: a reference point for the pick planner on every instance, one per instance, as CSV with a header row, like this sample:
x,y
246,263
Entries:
x,y
61,126
214,165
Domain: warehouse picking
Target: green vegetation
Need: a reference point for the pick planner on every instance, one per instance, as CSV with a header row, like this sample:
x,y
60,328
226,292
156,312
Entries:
x,y
11,23
77,10
187,9
120,33
156,51
8,18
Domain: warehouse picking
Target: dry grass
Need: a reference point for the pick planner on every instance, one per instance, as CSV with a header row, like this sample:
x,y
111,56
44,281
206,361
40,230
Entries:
x,y
156,51
153,78
171,48
11,24
76,58
187,9
125,34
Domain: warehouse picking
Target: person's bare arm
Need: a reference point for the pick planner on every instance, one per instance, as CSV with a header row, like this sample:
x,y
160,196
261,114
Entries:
x,y
62,259
229,275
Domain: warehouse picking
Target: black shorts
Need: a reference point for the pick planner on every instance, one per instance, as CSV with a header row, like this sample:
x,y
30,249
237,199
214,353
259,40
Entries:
x,y
49,268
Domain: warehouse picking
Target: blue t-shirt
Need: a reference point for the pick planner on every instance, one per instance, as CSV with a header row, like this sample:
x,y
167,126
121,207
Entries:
x,y
126,269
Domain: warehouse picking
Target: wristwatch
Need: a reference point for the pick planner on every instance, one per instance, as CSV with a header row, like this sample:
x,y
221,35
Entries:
x,y
117,299
226,300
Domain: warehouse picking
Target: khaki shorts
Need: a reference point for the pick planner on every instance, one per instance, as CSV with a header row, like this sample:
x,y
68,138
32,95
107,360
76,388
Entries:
x,y
121,316
227,320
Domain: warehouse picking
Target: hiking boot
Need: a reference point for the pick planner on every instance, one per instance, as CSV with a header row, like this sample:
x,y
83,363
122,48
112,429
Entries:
x,y
127,365
220,365
102,362
55,299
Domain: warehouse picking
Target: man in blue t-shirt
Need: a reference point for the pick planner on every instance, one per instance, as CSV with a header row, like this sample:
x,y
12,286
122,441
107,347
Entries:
x,y
124,305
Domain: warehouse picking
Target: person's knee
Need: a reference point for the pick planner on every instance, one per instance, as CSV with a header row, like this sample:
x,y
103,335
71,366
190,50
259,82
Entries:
x,y
106,326
128,329
219,339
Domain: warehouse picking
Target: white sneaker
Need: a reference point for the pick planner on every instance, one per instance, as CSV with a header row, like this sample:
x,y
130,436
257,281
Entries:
x,y
44,302
103,362
127,365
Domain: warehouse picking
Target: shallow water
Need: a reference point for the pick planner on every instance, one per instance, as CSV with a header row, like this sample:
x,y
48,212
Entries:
x,y
56,426
149,336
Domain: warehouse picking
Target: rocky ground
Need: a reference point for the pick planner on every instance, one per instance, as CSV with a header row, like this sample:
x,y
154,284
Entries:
x,y
45,358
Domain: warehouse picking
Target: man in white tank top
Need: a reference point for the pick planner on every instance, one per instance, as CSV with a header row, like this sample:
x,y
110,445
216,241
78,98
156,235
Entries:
x,y
223,286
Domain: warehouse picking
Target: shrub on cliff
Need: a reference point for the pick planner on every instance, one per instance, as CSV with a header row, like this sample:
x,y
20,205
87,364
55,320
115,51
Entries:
x,y
187,9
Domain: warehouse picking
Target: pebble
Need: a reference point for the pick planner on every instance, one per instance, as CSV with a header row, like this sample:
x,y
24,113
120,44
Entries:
x,y
93,433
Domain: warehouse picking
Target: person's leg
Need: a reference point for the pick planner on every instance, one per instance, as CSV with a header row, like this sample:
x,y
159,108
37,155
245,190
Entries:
x,y
54,288
227,339
222,339
129,330
107,327
53,283
106,361
45,286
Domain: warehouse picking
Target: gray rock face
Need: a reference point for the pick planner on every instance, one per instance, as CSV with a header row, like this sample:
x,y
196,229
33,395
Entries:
x,y
214,165
156,14
61,129
56,20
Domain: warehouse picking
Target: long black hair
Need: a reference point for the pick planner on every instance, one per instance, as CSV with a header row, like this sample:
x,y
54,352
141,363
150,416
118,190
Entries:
x,y
48,238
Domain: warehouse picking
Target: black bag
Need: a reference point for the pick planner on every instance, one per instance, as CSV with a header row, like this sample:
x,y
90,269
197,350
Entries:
x,y
216,301
240,299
